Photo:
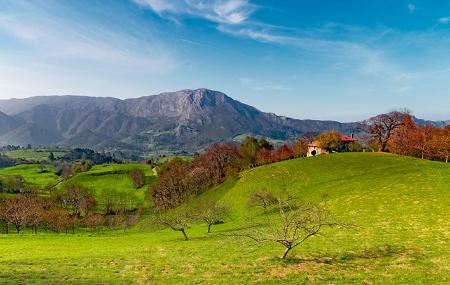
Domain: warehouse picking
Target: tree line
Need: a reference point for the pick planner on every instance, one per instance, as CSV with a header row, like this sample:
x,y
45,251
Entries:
x,y
397,132
69,207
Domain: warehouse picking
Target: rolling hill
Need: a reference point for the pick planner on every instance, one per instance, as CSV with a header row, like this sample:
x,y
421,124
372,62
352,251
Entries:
x,y
400,204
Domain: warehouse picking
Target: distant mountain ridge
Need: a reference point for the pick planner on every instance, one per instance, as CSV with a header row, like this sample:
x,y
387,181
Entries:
x,y
186,120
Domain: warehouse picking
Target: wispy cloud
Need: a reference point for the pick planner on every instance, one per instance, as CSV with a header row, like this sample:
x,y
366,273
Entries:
x,y
218,11
52,35
353,53
444,20
411,8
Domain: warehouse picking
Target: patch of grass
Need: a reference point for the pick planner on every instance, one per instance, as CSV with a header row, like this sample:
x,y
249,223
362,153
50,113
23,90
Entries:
x,y
400,204
33,154
114,177
32,175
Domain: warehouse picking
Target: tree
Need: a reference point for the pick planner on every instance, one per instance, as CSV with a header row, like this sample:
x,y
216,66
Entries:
x,y
176,220
443,144
249,148
58,219
17,211
283,152
51,156
292,226
212,213
264,156
180,179
93,221
3,219
331,141
263,199
382,127
78,199
137,177
265,144
423,140
402,139
300,147
81,166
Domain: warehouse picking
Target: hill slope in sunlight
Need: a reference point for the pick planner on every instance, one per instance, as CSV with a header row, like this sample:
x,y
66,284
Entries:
x,y
400,204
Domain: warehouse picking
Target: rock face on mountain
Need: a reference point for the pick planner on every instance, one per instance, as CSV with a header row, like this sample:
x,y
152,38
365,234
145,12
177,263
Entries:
x,y
184,120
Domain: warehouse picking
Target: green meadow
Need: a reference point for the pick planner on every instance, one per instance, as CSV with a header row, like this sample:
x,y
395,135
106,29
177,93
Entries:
x,y
33,154
401,207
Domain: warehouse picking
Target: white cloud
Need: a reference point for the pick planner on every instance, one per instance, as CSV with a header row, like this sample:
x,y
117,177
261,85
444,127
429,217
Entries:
x,y
412,8
218,11
444,20
54,36
354,54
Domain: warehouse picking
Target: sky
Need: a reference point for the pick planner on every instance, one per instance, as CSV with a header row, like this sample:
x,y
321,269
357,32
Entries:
x,y
322,59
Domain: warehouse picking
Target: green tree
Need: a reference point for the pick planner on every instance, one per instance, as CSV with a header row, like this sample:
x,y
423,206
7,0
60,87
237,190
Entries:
x,y
249,148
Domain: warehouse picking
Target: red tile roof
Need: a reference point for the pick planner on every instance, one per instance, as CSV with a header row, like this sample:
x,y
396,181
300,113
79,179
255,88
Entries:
x,y
347,139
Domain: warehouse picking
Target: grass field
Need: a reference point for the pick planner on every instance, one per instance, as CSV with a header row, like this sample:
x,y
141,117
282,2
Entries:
x,y
401,205
98,178
114,177
33,154
31,174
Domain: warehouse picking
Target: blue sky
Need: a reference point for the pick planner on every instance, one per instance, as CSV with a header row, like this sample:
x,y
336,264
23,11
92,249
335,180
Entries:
x,y
342,60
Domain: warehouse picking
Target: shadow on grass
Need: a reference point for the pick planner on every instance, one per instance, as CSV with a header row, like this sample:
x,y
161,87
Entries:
x,y
347,257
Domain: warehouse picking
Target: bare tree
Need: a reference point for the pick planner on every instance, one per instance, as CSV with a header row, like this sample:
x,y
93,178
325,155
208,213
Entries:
x,y
93,221
77,199
291,227
382,127
176,220
212,213
16,211
262,198
137,177
58,219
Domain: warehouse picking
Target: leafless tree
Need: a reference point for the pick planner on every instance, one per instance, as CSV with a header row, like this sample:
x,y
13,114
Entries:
x,y
93,221
137,177
78,199
16,211
381,127
291,226
262,198
176,220
212,213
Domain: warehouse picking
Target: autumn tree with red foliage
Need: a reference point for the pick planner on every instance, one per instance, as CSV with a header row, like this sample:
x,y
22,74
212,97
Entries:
x,y
180,179
426,142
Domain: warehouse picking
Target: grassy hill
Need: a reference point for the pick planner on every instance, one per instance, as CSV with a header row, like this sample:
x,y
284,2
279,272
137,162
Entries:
x,y
400,204
100,177
32,175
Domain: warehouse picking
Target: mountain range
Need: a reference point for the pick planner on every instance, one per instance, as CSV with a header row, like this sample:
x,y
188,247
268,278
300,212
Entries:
x,y
186,120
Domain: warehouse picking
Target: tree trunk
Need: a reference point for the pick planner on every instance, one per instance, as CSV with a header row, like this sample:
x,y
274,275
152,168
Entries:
x,y
18,229
209,228
184,233
286,253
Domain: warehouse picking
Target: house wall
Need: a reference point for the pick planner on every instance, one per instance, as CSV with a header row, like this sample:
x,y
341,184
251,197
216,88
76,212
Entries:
x,y
318,150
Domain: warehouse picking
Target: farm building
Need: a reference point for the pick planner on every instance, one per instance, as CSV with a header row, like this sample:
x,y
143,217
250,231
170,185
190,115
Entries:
x,y
314,147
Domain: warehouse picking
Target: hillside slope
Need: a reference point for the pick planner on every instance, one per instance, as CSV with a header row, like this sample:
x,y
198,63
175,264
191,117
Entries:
x,y
400,204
